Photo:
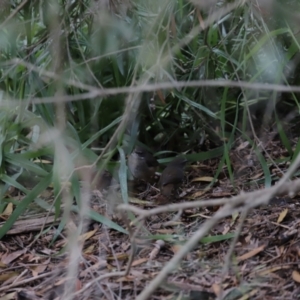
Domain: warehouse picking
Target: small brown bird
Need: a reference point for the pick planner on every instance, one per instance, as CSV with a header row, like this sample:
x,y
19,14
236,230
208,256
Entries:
x,y
101,181
104,180
172,176
142,164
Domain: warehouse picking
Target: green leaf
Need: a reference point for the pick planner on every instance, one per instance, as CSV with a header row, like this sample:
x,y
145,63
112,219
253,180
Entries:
x,y
217,238
103,220
30,197
12,182
20,161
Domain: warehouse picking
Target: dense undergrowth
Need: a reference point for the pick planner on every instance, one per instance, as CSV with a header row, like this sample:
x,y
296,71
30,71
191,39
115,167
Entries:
x,y
58,58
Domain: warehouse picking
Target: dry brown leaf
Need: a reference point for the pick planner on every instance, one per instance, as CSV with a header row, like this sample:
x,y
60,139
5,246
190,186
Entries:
x,y
36,270
128,278
138,273
59,286
258,175
197,194
282,215
200,215
87,235
251,253
8,275
281,249
167,231
203,179
173,223
31,257
28,225
46,193
222,194
70,227
248,238
101,264
10,296
46,251
10,191
143,202
8,210
296,276
161,96
175,248
7,259
89,250
242,146
226,229
217,289
270,270
60,281
118,256
139,261
78,285
235,215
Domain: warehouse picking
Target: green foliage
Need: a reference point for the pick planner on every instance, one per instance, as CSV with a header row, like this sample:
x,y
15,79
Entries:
x,y
53,49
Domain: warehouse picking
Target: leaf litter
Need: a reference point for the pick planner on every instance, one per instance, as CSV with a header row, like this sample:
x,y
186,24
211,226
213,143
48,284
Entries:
x,y
264,262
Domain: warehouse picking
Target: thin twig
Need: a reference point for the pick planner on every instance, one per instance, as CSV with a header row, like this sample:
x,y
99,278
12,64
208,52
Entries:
x,y
94,92
234,241
190,244
288,187
25,281
133,246
249,202
98,279
13,13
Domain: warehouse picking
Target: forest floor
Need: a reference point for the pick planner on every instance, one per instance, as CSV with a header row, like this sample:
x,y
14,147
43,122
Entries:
x,y
263,261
